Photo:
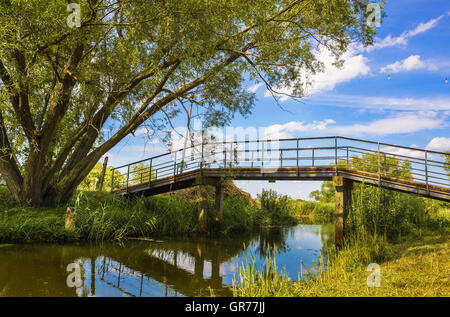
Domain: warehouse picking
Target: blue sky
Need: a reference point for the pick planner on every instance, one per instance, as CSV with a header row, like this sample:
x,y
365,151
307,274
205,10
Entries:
x,y
412,108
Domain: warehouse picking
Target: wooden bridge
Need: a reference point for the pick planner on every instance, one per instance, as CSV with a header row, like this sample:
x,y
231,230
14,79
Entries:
x,y
341,159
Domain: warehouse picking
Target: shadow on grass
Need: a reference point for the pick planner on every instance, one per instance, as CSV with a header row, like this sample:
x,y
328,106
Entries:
x,y
418,246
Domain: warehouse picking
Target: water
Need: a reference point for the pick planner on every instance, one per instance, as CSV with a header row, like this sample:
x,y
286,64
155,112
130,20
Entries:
x,y
188,266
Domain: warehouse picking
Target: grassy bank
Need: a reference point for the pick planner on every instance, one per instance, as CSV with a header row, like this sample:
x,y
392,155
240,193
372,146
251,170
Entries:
x,y
408,236
278,209
104,216
413,267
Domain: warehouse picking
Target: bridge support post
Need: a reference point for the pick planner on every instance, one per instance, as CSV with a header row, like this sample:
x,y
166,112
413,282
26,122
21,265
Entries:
x,y
219,200
202,182
202,209
343,203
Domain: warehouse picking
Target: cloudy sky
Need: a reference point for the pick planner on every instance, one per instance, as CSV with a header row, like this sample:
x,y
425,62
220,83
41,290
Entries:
x,y
394,92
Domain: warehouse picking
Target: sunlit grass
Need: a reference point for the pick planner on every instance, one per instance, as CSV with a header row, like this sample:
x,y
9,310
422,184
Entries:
x,y
416,267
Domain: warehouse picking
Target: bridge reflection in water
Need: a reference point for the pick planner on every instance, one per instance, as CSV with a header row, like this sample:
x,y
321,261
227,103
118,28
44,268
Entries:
x,y
193,266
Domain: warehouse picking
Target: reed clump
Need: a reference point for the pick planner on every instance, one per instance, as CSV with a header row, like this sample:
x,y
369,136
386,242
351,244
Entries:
x,y
266,281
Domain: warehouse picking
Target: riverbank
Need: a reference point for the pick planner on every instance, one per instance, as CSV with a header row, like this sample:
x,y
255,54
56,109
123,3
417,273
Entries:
x,y
104,216
413,267
406,235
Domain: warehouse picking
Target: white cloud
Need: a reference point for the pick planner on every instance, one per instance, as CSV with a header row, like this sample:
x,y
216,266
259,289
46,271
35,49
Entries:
x,y
402,40
255,87
382,102
408,122
405,152
280,131
412,62
405,122
354,65
388,41
423,27
143,131
440,144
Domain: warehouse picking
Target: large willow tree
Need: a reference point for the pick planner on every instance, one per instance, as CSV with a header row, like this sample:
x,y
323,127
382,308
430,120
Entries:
x,y
129,61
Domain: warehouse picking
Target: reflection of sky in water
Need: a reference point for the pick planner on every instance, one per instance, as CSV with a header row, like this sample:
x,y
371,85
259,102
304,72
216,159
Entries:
x,y
188,267
303,243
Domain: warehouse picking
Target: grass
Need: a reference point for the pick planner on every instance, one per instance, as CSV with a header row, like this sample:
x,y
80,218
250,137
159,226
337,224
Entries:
x,y
104,216
408,236
414,267
418,267
262,282
98,217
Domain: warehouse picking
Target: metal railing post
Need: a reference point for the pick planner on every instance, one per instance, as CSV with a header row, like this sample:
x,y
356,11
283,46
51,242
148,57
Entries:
x,y
112,180
252,158
128,176
257,149
335,154
224,151
201,159
312,157
426,172
347,158
175,166
379,164
298,171
236,154
281,158
262,156
150,173
231,155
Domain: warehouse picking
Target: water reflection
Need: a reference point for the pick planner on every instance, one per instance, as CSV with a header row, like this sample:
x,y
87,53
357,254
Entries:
x,y
191,266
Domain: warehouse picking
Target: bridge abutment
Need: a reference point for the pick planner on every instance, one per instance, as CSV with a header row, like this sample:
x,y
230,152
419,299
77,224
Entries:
x,y
343,202
202,182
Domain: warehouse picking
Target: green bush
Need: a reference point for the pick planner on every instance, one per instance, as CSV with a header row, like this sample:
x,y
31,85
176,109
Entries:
x,y
238,215
379,211
172,214
275,209
317,212
113,219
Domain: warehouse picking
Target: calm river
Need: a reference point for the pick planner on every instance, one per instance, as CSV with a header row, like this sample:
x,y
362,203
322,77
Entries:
x,y
190,266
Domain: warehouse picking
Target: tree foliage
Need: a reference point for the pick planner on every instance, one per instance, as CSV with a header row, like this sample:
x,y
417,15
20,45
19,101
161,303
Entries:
x,y
92,180
325,194
68,95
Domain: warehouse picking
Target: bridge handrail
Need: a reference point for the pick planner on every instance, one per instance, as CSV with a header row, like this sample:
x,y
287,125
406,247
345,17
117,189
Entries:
x,y
291,139
426,164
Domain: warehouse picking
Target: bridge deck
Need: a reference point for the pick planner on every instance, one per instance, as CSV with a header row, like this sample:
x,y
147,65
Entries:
x,y
419,172
188,179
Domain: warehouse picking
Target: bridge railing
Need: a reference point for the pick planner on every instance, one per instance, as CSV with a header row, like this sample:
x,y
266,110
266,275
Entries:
x,y
386,160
